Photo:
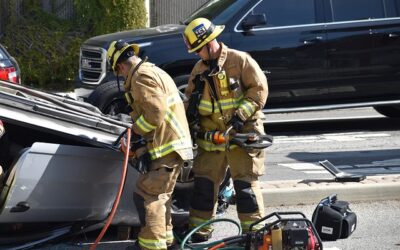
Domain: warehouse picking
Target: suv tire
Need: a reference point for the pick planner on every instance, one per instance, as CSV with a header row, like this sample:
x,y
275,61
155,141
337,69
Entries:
x,y
181,82
109,99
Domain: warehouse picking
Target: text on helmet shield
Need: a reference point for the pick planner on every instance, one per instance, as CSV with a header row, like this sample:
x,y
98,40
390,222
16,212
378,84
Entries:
x,y
199,30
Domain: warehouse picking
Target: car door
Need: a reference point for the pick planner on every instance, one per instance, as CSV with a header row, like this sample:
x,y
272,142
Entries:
x,y
64,183
289,47
385,36
355,62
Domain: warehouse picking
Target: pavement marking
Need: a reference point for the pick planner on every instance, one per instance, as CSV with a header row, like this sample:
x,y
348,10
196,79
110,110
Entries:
x,y
301,166
315,171
308,168
336,137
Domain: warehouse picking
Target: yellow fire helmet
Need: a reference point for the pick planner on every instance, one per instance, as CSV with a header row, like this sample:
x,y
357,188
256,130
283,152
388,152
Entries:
x,y
117,49
199,32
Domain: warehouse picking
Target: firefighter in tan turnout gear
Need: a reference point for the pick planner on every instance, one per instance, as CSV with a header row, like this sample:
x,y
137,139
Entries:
x,y
160,126
234,90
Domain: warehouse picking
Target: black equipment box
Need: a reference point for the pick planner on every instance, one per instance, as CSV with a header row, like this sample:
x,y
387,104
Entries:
x,y
333,219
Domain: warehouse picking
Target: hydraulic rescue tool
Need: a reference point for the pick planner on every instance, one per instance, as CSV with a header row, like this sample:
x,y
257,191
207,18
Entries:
x,y
244,140
332,220
277,231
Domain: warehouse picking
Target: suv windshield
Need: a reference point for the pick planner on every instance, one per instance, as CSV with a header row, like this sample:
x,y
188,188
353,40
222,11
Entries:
x,y
217,11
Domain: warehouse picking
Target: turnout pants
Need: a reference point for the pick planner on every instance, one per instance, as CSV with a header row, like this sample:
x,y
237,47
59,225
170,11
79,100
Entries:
x,y
153,199
210,169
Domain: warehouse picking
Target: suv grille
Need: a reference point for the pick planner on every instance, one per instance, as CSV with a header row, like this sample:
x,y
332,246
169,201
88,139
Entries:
x,y
92,65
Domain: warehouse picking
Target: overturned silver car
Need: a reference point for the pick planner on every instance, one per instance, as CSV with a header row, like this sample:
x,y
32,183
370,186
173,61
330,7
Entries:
x,y
61,167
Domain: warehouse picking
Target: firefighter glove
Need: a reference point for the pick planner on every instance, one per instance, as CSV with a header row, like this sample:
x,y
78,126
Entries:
x,y
142,163
236,123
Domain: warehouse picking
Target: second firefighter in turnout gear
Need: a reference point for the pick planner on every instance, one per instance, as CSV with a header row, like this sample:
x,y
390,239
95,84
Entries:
x,y
161,139
234,90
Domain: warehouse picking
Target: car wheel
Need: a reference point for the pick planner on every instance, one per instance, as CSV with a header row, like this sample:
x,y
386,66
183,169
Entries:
x,y
181,82
389,111
109,99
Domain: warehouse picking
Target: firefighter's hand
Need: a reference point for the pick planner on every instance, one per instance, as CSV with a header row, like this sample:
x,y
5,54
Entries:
x,y
123,147
236,123
142,163
137,141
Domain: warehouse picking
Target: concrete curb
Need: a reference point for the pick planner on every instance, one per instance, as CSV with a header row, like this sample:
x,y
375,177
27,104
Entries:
x,y
373,188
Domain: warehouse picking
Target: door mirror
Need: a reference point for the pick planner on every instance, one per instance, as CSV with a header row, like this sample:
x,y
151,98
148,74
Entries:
x,y
254,20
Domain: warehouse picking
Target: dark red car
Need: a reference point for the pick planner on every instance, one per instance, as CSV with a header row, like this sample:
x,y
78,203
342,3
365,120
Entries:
x,y
9,69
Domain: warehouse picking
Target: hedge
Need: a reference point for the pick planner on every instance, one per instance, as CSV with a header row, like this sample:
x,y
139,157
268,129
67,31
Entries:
x,y
47,47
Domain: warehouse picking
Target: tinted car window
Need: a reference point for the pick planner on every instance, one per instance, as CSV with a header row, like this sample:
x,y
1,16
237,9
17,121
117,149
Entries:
x,y
217,11
286,12
345,10
4,60
392,8
2,55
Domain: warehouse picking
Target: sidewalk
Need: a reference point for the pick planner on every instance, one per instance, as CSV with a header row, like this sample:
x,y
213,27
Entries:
x,y
277,193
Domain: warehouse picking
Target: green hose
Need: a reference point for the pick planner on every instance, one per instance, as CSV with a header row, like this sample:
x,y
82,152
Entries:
x,y
187,237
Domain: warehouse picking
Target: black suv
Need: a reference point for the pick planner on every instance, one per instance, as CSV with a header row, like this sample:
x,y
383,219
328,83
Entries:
x,y
317,54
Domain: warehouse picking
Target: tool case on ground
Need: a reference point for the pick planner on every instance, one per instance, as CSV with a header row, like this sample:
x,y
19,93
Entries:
x,y
333,219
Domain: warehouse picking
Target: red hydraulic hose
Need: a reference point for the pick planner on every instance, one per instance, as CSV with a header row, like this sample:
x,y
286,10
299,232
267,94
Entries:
x,y
117,199
220,245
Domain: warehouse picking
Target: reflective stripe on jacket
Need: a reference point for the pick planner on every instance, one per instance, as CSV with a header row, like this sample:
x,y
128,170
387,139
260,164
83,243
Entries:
x,y
241,88
152,244
158,112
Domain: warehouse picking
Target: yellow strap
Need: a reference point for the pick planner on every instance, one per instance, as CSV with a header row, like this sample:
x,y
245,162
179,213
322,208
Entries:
x,y
129,98
223,82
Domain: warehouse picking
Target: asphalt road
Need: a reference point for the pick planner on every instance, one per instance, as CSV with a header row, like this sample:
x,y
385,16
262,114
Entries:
x,y
358,140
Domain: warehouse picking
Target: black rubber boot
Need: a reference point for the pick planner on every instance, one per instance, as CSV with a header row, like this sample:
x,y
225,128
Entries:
x,y
200,237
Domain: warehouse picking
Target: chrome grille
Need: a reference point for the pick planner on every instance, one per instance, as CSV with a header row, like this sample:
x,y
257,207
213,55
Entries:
x,y
92,64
